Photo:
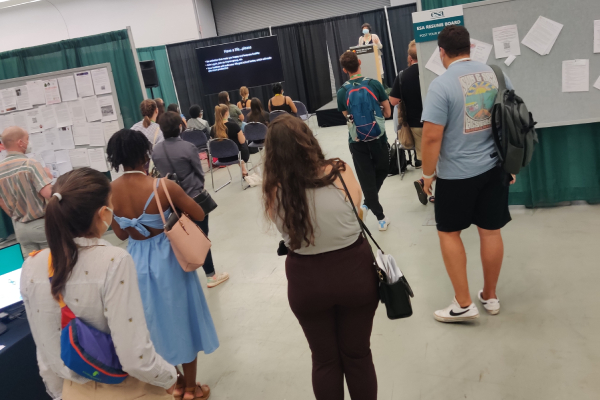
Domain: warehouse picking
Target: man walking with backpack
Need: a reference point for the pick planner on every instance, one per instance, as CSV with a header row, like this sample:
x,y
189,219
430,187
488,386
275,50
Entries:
x,y
365,105
472,186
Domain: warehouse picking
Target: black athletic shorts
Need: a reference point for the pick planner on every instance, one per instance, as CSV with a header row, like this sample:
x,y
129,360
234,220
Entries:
x,y
481,200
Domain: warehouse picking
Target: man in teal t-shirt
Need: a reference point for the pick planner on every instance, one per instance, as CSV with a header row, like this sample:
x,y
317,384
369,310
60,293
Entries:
x,y
371,158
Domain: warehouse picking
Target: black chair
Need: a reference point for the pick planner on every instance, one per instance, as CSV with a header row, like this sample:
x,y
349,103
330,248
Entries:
x,y
221,148
245,112
273,115
304,115
198,138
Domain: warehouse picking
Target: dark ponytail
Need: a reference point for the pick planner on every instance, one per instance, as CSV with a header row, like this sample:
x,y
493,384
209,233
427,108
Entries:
x,y
84,191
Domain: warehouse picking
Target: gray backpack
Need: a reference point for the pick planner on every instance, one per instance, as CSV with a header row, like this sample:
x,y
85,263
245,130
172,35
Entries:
x,y
513,128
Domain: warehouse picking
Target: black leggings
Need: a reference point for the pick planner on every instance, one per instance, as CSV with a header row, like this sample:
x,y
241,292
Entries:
x,y
334,296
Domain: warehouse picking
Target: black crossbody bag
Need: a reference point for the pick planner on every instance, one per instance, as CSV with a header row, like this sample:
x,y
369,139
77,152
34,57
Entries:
x,y
204,199
395,296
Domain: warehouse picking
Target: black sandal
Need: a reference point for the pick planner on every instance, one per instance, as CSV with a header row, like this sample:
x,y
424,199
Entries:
x,y
420,192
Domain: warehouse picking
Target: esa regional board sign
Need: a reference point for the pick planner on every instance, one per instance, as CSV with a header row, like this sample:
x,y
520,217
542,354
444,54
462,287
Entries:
x,y
428,24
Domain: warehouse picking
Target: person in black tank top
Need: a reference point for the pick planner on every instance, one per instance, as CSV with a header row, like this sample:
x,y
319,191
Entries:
x,y
287,105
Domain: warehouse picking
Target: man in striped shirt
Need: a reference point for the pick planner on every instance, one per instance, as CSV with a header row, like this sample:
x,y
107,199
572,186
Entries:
x,y
24,187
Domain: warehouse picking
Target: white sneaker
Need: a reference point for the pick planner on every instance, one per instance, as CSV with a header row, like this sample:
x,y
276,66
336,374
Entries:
x,y
455,313
384,223
217,279
492,305
365,211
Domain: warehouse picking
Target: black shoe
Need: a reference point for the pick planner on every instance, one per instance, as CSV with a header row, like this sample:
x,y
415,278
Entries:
x,y
418,164
420,192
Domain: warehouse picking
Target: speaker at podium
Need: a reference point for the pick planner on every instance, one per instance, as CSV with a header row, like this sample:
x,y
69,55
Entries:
x,y
370,61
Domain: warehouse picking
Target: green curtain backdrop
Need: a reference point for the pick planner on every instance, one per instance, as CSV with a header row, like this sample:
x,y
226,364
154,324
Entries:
x,y
430,4
166,89
111,47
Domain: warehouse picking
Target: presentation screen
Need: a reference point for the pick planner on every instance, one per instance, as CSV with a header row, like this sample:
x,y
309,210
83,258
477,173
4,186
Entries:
x,y
252,62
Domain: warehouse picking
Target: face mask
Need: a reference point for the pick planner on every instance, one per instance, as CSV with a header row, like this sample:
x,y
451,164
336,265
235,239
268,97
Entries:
x,y
365,31
28,150
112,213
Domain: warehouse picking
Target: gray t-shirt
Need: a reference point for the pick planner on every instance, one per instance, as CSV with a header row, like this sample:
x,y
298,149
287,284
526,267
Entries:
x,y
461,100
185,160
234,114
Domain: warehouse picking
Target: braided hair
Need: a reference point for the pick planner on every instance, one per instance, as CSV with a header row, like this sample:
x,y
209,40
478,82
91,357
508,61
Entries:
x,y
128,148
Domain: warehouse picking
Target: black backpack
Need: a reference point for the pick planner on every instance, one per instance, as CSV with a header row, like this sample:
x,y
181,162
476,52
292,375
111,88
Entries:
x,y
393,169
513,128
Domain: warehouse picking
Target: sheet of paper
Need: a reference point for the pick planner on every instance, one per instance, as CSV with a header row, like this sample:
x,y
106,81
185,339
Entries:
x,y
77,111
6,121
576,76
36,92
9,99
20,120
52,141
597,84
38,142
23,101
97,159
68,91
96,134
83,79
107,108
48,117
597,36
101,81
48,156
506,41
64,167
510,60
480,51
542,35
52,92
62,156
81,135
63,115
34,120
109,129
435,64
65,138
79,158
92,109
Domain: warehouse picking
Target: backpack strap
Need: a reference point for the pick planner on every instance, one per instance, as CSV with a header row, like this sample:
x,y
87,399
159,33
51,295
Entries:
x,y
501,82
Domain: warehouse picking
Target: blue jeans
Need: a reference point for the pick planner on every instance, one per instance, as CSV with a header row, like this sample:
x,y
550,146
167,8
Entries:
x,y
209,267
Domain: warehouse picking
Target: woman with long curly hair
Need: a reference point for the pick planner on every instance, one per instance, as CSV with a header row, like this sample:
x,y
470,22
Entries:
x,y
332,284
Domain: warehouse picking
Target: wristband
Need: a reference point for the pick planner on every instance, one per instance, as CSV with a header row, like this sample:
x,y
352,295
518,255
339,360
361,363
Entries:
x,y
429,176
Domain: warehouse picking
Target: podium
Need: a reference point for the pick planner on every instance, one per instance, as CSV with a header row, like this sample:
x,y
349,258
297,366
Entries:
x,y
371,62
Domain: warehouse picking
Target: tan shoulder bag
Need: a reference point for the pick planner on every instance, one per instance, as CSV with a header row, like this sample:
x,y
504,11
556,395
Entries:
x,y
189,243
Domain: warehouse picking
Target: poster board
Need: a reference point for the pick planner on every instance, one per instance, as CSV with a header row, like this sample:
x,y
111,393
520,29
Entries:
x,y
537,79
70,129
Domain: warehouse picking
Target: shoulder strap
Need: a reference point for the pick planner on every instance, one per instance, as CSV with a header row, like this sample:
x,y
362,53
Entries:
x,y
164,186
501,82
363,227
155,134
157,197
148,202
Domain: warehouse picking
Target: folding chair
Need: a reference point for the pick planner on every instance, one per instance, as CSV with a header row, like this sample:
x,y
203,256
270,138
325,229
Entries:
x,y
245,112
198,138
273,115
221,148
256,133
304,115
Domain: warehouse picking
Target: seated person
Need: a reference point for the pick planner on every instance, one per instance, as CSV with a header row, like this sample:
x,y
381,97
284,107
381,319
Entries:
x,y
224,129
245,102
175,108
257,113
281,102
234,112
196,122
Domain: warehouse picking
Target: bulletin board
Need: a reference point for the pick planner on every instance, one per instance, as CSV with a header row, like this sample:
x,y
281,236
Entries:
x,y
536,78
70,115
